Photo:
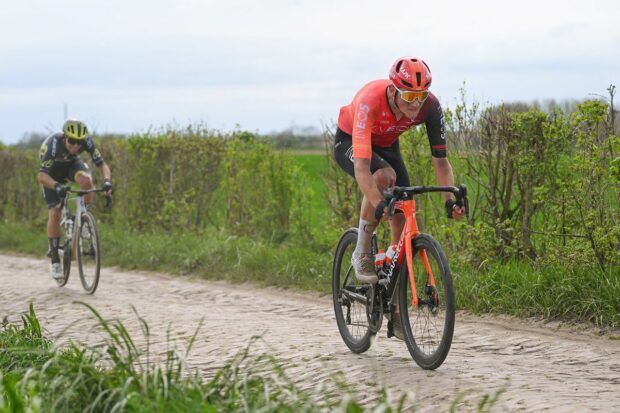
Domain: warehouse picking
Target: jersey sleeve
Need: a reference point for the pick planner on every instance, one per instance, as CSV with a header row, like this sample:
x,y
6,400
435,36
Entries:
x,y
435,129
363,119
46,156
95,155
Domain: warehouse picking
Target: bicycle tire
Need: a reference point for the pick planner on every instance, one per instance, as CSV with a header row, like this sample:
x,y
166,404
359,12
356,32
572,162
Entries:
x,y
88,253
429,328
65,261
351,315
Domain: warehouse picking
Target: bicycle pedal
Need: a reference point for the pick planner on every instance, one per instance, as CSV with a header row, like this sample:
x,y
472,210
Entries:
x,y
383,282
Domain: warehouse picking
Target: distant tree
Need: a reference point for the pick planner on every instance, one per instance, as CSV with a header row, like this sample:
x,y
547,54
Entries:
x,y
31,140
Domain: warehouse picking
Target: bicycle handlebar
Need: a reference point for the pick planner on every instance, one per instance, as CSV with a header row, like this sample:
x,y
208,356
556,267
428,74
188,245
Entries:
x,y
81,192
400,193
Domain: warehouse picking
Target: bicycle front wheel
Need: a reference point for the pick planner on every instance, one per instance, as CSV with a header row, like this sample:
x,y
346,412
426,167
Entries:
x,y
427,327
350,297
88,253
64,250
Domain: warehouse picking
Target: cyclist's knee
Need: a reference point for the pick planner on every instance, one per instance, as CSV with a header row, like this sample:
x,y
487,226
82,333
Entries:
x,y
84,180
385,177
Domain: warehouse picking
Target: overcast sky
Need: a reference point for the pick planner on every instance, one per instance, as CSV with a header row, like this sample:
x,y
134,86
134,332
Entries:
x,y
124,66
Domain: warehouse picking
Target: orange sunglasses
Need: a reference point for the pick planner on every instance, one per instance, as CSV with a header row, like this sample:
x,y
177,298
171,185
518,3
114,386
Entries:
x,y
409,95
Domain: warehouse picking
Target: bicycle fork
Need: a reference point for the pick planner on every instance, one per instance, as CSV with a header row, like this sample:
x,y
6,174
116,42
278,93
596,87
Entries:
x,y
412,231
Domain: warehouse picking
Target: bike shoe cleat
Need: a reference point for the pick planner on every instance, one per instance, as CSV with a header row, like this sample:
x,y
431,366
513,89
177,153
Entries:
x,y
56,271
364,266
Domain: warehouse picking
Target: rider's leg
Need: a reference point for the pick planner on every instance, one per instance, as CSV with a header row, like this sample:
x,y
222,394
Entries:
x,y
384,178
53,221
397,223
53,231
53,236
367,225
362,259
84,180
393,157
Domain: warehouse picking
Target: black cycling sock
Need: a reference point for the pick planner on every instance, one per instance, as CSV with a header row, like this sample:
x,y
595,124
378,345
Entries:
x,y
53,243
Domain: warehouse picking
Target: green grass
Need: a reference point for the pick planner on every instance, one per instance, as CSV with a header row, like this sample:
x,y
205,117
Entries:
x,y
314,165
517,288
118,375
212,255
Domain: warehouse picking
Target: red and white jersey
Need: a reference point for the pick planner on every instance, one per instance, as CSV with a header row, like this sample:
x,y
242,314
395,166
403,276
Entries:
x,y
371,122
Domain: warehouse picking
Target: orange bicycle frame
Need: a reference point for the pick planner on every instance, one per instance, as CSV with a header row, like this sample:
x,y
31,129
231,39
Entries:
x,y
406,239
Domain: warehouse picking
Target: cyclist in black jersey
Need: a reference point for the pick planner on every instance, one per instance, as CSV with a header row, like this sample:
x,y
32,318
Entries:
x,y
60,163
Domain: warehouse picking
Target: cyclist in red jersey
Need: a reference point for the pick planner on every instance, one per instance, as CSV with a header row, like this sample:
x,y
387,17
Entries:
x,y
366,146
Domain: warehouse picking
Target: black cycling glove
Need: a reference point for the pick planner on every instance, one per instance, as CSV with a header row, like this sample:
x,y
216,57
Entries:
x,y
379,210
107,185
450,203
61,191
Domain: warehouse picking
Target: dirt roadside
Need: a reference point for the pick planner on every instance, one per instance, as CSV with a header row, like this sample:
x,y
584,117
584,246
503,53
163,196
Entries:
x,y
539,368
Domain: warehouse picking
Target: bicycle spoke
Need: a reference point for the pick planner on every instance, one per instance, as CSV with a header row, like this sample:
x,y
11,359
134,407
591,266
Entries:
x,y
88,253
349,297
431,322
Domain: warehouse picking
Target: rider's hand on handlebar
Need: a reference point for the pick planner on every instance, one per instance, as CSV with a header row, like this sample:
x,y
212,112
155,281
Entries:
x,y
381,210
61,191
107,186
453,210
458,212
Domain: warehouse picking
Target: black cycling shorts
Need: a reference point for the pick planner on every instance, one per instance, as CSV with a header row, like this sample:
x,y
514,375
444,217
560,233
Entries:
x,y
62,174
381,158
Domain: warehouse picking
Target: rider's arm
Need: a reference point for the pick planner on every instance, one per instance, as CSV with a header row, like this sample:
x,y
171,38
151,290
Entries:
x,y
104,169
95,155
97,158
444,175
435,129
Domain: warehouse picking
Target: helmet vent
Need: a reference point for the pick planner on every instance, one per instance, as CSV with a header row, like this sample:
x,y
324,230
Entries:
x,y
418,77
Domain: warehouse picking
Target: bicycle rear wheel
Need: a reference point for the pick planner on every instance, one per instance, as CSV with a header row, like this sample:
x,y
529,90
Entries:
x,y
88,253
428,327
349,297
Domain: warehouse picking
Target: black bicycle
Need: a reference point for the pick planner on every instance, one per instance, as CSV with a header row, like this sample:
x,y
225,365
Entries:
x,y
80,237
414,292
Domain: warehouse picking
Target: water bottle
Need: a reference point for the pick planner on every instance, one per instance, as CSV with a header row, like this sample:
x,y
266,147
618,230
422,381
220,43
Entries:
x,y
389,254
380,258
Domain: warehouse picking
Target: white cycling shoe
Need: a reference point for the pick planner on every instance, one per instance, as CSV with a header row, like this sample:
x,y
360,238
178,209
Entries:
x,y
364,266
56,271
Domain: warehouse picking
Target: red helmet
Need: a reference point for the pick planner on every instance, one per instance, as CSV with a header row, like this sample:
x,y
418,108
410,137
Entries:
x,y
411,73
